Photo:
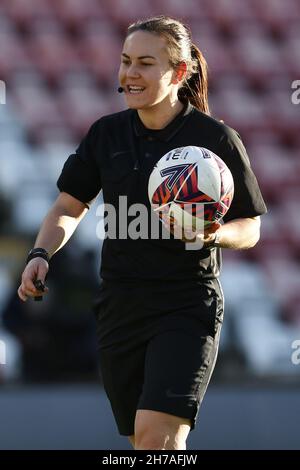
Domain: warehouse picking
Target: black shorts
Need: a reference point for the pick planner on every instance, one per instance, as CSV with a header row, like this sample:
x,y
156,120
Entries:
x,y
158,345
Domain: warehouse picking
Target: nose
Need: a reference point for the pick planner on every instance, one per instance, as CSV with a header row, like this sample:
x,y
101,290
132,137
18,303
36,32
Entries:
x,y
132,71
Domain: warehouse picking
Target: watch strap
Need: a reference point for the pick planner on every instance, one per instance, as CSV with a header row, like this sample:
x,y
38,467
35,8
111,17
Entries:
x,y
38,253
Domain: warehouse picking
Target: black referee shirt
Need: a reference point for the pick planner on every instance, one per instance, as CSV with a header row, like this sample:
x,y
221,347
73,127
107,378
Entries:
x,y
118,154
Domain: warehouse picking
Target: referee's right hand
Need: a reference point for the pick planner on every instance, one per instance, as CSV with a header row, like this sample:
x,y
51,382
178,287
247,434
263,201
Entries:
x,y
36,269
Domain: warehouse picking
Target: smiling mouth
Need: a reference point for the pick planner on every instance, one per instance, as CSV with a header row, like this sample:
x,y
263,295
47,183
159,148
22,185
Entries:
x,y
135,90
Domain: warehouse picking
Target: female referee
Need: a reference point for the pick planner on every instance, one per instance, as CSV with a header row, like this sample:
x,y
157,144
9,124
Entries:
x,y
160,307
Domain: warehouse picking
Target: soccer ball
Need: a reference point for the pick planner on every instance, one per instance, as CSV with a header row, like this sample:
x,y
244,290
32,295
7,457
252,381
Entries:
x,y
192,185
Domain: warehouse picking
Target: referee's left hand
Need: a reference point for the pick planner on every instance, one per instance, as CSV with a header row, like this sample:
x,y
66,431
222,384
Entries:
x,y
189,236
206,236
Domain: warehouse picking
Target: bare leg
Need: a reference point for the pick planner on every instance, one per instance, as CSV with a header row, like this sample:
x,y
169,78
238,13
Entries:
x,y
132,440
161,431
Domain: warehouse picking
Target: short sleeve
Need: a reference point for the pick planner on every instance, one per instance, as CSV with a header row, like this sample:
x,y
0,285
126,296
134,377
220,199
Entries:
x,y
247,200
80,176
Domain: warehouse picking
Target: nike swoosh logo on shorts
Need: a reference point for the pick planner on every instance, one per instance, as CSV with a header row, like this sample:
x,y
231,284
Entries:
x,y
170,394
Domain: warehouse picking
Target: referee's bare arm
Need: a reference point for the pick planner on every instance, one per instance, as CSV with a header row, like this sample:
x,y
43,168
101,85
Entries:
x,y
240,234
56,229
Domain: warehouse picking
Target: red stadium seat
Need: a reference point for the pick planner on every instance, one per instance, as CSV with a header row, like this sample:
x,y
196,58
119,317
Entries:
x,y
258,57
276,14
187,10
291,55
95,26
24,12
276,168
37,107
101,53
81,106
229,13
54,55
75,13
241,109
123,12
13,56
289,222
217,53
287,120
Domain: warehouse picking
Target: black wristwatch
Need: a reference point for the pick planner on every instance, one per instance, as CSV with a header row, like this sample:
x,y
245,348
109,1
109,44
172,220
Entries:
x,y
38,253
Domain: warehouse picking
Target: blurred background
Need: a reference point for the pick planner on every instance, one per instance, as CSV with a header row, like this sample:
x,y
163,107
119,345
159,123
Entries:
x,y
59,61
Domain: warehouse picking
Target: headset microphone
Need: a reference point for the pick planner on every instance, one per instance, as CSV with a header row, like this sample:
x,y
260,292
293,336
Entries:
x,y
120,89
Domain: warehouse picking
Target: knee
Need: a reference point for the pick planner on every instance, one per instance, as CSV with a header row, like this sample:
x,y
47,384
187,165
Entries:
x,y
155,430
148,438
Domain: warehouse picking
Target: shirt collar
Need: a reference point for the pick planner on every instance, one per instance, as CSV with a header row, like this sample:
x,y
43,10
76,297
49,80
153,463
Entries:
x,y
167,132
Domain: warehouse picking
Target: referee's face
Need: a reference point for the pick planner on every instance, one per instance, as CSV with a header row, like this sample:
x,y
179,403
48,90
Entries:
x,y
145,72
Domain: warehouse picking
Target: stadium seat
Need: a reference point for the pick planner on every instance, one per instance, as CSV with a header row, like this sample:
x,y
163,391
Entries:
x,y
217,53
101,26
188,10
227,14
81,106
241,109
13,56
54,55
38,108
124,12
101,54
289,123
75,13
22,13
289,223
276,14
257,56
291,54
276,167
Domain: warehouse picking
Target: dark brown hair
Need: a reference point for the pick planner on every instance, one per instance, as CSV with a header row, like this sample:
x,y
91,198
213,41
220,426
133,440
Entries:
x,y
181,49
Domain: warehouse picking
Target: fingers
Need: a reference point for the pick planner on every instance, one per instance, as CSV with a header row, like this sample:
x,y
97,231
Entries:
x,y
185,234
42,270
21,294
216,225
36,270
212,228
25,290
28,286
188,234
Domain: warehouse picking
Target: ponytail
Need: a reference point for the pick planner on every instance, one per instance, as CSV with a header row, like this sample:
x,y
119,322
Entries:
x,y
195,88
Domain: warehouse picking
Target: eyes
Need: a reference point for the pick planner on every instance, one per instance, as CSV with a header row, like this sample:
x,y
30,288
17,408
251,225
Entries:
x,y
143,64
